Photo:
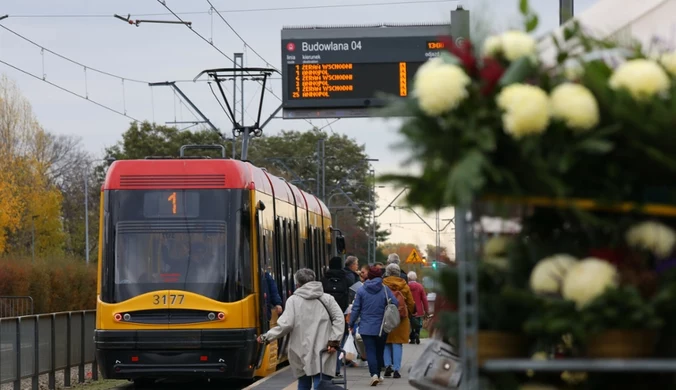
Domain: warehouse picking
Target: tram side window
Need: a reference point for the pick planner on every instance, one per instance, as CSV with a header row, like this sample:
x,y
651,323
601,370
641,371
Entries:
x,y
296,245
286,267
269,251
279,259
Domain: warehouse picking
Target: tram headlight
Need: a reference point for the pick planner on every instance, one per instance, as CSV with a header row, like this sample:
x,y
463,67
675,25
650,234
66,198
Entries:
x,y
211,316
118,317
221,316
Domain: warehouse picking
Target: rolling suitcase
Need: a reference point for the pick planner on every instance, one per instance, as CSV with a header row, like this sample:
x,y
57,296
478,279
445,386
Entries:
x,y
333,384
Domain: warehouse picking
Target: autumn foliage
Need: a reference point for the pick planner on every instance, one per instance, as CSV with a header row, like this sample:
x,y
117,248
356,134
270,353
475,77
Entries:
x,y
55,284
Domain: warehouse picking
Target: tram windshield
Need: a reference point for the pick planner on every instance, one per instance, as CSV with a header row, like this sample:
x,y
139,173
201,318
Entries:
x,y
189,240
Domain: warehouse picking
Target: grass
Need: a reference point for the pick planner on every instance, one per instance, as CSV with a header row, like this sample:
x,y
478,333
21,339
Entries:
x,y
424,334
103,384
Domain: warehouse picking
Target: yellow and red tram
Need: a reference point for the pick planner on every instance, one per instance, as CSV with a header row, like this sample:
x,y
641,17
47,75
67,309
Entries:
x,y
183,247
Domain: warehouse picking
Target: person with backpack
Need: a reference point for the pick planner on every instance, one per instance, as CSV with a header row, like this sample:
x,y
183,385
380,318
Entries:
x,y
335,283
369,309
394,346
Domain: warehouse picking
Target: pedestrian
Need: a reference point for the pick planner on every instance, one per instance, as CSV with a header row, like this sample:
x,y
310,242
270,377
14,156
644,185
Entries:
x,y
421,304
272,298
369,309
393,258
314,322
364,273
394,347
351,267
335,283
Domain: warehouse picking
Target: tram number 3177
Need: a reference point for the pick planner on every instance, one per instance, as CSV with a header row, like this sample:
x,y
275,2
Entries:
x,y
170,298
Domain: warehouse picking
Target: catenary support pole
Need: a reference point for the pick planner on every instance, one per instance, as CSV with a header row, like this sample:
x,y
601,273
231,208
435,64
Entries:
x,y
86,204
566,10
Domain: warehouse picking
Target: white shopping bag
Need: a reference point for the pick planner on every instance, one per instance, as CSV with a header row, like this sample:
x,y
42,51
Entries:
x,y
350,348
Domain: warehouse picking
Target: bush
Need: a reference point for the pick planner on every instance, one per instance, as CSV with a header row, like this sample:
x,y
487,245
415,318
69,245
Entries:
x,y
54,284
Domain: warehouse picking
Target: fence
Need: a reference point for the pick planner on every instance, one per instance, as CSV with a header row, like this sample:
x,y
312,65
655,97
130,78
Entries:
x,y
31,346
16,306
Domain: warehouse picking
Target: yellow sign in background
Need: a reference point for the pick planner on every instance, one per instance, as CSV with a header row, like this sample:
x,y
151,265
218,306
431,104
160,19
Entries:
x,y
414,257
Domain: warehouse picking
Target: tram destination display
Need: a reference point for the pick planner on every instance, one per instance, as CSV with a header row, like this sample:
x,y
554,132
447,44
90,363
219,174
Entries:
x,y
339,72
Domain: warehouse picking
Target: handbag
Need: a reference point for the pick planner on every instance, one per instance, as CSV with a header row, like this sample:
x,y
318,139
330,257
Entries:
x,y
437,368
391,318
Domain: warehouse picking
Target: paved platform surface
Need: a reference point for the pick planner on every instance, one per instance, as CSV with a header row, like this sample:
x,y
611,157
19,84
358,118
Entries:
x,y
358,377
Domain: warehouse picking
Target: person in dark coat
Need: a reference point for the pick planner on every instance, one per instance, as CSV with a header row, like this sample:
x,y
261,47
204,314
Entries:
x,y
351,268
336,284
393,258
272,297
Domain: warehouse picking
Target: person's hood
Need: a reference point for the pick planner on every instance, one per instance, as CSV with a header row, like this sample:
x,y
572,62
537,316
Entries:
x,y
395,282
310,290
374,285
335,273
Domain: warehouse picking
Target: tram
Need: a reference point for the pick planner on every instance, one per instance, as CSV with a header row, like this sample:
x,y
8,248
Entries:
x,y
183,247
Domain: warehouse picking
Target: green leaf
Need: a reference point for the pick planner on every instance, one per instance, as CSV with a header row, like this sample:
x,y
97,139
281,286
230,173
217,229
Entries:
x,y
596,146
532,23
523,7
466,178
517,72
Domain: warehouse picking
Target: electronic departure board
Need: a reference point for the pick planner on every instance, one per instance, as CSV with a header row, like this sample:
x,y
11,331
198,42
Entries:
x,y
338,72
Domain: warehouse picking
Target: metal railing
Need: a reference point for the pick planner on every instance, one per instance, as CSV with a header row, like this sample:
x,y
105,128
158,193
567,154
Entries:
x,y
16,306
31,346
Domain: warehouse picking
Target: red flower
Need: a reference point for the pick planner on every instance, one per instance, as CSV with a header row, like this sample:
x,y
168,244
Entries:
x,y
463,52
610,255
490,73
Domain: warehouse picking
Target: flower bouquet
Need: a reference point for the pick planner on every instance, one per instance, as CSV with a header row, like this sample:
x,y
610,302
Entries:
x,y
583,143
500,122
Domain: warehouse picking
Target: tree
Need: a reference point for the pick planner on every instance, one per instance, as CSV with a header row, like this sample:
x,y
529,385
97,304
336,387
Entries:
x,y
400,248
26,167
433,250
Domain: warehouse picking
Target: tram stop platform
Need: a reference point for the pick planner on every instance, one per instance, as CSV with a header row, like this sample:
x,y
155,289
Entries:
x,y
358,378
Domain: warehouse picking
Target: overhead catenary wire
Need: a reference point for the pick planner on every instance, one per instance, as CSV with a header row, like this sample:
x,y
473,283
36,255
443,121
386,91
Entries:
x,y
243,10
164,4
240,37
90,68
68,90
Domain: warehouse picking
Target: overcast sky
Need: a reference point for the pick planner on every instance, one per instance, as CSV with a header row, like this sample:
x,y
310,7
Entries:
x,y
156,52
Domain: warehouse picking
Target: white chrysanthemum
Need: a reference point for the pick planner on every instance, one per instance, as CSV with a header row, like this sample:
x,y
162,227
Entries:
x,y
573,72
575,105
653,236
548,275
526,109
588,279
496,246
440,86
668,60
517,44
501,263
642,78
492,46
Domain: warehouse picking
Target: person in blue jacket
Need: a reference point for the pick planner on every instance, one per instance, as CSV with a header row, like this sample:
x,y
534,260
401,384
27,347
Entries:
x,y
272,298
369,309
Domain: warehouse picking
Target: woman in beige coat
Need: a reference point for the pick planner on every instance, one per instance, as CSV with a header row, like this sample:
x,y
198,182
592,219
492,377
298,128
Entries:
x,y
399,335
311,318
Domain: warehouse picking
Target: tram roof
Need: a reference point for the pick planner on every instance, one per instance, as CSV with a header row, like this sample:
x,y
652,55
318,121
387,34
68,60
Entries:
x,y
205,174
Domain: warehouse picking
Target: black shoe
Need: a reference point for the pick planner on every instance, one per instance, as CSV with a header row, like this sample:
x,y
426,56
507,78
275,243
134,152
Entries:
x,y
417,340
388,371
397,374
